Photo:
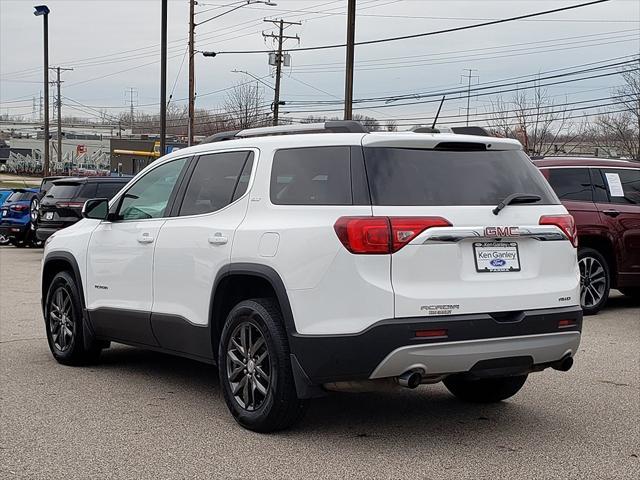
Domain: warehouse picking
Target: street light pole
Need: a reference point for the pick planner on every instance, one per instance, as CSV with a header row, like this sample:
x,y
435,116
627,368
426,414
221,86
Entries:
x,y
43,11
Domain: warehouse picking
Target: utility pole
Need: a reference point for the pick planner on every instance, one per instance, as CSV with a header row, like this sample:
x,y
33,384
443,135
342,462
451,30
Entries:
x,y
163,78
192,79
351,37
281,37
469,76
59,108
40,108
133,99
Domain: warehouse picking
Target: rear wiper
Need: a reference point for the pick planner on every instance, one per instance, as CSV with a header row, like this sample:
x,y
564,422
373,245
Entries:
x,y
516,198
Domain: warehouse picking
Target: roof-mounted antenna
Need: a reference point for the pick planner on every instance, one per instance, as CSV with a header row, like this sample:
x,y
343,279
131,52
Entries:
x,y
438,113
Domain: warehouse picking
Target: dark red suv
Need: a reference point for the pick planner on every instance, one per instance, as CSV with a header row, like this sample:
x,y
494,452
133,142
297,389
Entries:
x,y
604,198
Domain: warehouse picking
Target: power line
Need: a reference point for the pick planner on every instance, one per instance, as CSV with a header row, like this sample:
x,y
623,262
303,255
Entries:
x,y
479,94
479,87
427,34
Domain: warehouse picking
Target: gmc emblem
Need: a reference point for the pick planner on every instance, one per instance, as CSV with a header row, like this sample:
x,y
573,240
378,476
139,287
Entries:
x,y
501,232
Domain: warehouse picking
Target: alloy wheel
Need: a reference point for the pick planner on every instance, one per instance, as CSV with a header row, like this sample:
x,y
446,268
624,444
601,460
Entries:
x,y
61,323
248,366
34,210
592,282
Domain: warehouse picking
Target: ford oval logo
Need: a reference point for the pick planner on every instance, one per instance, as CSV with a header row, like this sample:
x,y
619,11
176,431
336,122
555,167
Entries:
x,y
497,262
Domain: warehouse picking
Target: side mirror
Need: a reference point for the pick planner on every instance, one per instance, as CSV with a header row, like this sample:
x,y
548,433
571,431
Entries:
x,y
96,208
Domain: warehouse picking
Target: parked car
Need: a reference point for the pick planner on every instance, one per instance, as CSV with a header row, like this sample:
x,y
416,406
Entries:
x,y
4,194
604,198
46,184
62,205
301,263
17,217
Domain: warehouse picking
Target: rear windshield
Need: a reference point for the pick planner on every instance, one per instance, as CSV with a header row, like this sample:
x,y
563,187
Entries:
x,y
64,191
402,176
19,196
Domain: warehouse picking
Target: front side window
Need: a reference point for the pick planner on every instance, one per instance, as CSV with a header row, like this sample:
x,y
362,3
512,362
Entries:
x,y
311,176
623,185
149,196
571,183
217,180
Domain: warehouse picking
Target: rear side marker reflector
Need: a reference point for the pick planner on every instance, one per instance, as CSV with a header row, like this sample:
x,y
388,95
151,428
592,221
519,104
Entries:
x,y
440,333
70,204
565,223
566,323
382,235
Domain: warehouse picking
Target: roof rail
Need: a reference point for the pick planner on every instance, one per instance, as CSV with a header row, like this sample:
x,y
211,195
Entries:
x,y
332,126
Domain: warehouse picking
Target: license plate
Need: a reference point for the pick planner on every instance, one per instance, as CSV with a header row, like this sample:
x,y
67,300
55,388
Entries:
x,y
48,216
496,256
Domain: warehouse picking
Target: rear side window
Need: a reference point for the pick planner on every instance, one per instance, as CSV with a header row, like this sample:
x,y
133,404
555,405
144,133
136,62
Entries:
x,y
623,185
311,176
571,183
217,180
108,189
402,176
65,190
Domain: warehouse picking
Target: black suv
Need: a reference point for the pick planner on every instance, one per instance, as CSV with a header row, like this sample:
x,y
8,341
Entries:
x,y
62,204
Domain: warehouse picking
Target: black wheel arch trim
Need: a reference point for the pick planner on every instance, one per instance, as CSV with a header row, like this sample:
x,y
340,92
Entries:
x,y
261,271
68,258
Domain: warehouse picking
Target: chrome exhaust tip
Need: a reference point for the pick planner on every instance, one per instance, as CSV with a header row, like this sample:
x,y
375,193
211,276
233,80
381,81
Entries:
x,y
410,379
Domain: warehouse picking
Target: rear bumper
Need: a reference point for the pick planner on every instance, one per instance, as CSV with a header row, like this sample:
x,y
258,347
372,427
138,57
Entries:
x,y
390,347
16,230
455,357
42,233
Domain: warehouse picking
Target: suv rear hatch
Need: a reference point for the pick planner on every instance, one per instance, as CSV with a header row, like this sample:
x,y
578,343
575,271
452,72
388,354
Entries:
x,y
454,255
62,205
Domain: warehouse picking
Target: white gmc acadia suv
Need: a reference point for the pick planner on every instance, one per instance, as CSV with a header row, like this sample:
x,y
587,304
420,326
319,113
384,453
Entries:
x,y
323,257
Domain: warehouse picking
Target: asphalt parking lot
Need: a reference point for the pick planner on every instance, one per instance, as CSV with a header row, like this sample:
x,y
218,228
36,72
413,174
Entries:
x,y
140,414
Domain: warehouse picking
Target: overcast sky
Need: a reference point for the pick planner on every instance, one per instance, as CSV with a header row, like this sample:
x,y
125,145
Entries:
x,y
114,46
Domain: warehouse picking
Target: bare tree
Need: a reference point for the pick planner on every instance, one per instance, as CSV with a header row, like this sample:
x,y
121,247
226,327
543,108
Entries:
x,y
619,128
243,106
391,126
369,122
542,126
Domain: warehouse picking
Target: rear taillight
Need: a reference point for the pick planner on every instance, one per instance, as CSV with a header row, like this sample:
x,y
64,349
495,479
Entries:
x,y
364,234
565,223
70,204
382,235
19,208
405,229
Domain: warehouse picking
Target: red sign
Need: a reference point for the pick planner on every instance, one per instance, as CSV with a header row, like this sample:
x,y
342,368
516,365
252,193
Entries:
x,y
80,149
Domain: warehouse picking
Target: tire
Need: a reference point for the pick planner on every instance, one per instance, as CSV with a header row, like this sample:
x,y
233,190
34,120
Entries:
x,y
486,390
258,323
63,313
633,292
595,280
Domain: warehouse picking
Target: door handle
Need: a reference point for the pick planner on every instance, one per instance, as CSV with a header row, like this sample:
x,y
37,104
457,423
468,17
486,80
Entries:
x,y
145,238
218,239
611,213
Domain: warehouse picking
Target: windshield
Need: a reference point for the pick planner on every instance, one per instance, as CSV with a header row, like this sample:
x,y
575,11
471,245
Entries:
x,y
403,176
